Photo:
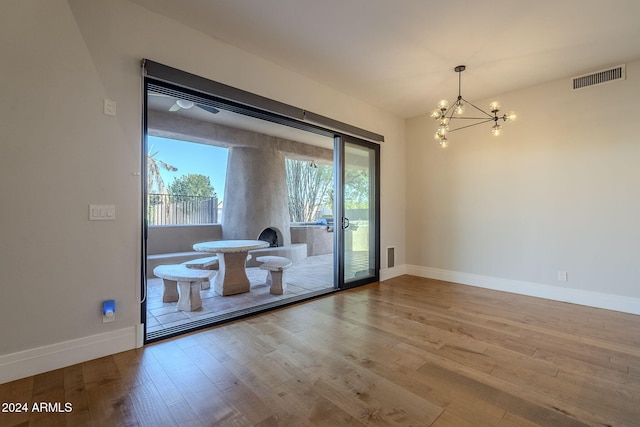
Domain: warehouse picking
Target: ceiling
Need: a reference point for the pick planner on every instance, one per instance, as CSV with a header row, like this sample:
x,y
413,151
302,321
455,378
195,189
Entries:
x,y
399,55
164,103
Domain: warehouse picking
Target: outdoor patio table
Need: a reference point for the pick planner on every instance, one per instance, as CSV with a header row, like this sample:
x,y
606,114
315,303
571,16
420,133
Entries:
x,y
232,254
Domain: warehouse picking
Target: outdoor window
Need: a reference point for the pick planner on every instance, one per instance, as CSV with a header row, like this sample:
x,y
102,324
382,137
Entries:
x,y
185,182
310,188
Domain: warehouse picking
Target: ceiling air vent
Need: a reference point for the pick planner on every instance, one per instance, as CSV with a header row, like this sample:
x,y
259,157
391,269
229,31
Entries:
x,y
599,77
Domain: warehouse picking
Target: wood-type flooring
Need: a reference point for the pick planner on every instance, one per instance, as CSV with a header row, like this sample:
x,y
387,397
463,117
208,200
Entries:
x,y
408,352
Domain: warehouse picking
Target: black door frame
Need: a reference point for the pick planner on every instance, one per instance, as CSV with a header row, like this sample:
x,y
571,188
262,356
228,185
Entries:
x,y
340,219
218,95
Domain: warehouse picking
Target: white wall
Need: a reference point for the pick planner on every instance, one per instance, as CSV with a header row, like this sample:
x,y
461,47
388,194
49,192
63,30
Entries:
x,y
558,191
59,154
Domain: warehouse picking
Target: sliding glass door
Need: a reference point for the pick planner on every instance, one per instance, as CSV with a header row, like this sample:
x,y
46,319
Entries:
x,y
358,212
251,148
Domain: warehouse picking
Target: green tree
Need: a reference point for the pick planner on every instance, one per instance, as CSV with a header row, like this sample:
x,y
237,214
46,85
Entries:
x,y
356,189
192,184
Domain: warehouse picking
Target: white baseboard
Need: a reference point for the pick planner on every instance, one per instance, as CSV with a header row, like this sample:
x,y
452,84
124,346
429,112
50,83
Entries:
x,y
575,296
389,273
42,359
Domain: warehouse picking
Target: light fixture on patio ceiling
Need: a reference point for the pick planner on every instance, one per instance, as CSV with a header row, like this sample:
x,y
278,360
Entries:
x,y
445,114
183,104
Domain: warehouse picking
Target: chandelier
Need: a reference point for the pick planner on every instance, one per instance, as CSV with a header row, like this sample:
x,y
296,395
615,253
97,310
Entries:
x,y
445,114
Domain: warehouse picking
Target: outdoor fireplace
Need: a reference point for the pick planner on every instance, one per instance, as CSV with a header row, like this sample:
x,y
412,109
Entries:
x,y
269,235
256,197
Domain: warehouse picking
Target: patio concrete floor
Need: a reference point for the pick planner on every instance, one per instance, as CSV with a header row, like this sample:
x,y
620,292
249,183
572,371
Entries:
x,y
309,275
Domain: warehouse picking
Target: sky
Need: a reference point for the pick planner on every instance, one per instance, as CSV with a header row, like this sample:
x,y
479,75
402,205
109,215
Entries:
x,y
190,157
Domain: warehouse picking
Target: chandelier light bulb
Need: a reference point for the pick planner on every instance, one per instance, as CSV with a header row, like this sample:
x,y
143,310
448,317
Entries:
x,y
436,114
443,129
496,130
510,116
443,104
459,108
494,106
444,143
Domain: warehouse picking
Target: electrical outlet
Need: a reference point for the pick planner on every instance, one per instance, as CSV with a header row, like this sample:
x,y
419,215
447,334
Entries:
x,y
562,276
109,107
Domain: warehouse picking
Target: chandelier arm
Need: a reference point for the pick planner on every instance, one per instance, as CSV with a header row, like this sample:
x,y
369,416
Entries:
x,y
478,108
452,109
474,118
474,124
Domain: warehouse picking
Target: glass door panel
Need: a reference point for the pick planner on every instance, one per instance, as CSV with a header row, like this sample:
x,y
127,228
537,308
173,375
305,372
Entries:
x,y
291,174
359,214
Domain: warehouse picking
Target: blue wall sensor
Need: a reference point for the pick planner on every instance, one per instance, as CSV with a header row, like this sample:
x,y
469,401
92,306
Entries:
x,y
108,311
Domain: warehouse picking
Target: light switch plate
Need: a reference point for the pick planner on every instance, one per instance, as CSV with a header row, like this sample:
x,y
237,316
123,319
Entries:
x,y
102,212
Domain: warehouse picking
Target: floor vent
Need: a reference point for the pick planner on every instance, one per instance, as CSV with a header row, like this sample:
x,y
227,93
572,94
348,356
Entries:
x,y
599,77
391,256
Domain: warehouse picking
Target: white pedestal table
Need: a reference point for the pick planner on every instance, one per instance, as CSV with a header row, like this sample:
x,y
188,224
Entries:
x,y
232,254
